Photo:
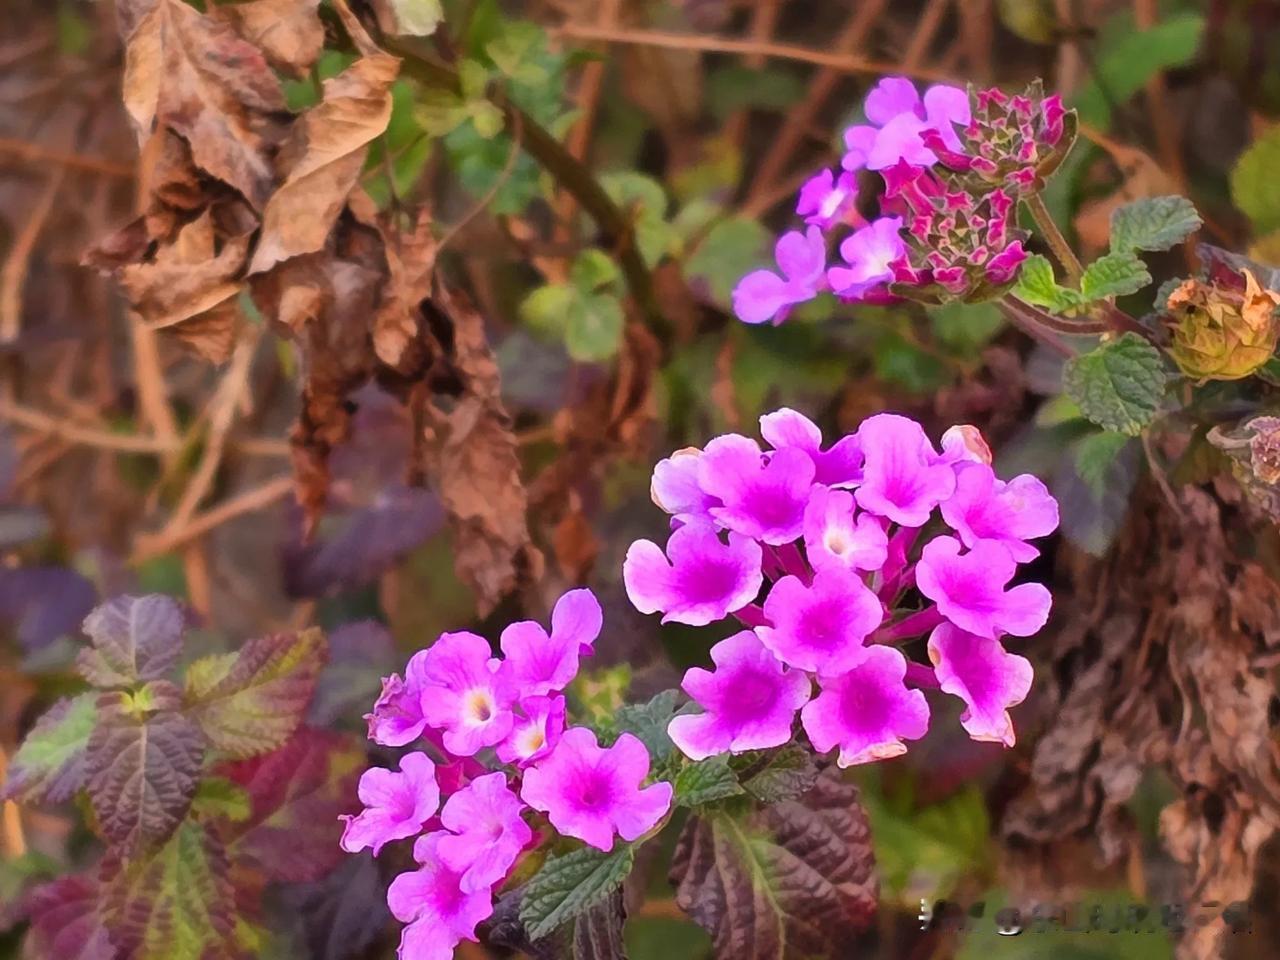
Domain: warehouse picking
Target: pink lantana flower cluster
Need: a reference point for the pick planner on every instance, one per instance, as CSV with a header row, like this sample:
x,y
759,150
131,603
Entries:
x,y
492,743
832,557
952,166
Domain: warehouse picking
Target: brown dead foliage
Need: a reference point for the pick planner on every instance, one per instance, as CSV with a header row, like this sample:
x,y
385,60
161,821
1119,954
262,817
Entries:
x,y
241,198
1166,656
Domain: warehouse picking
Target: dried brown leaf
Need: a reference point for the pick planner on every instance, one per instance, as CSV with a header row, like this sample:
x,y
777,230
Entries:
x,y
411,260
288,32
322,159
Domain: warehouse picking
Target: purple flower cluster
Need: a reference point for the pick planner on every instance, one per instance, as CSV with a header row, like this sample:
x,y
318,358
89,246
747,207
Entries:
x,y
952,167
834,539
472,713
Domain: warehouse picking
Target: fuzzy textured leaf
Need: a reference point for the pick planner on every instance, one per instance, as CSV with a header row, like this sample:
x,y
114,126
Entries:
x,y
706,782
65,922
1038,286
176,903
134,638
1153,223
296,794
1114,275
1119,385
793,881
649,722
568,886
49,766
143,765
251,701
776,775
597,933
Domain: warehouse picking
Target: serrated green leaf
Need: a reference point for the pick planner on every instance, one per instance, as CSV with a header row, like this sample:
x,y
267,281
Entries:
x,y
1114,275
1038,286
134,638
568,886
1253,182
706,782
594,330
795,879
1153,223
1094,456
176,903
142,768
251,701
649,721
772,776
49,766
219,797
1118,386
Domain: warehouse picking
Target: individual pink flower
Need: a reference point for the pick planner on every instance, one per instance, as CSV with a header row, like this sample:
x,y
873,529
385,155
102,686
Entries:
x,y
431,900
465,693
868,711
763,295
836,535
539,663
969,588
840,465
986,508
593,793
903,476
675,487
487,832
536,731
985,676
820,626
897,116
749,701
827,199
397,718
396,804
762,496
700,579
869,255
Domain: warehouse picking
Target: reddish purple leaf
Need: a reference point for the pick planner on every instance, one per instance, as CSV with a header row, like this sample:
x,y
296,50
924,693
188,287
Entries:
x,y
50,765
297,794
40,604
134,638
65,923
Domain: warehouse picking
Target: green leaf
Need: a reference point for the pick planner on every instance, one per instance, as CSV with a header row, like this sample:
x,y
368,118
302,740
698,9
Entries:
x,y
592,270
517,52
1038,286
416,18
1253,182
1114,275
176,903
734,87
649,721
219,797
966,327
1153,223
1129,58
645,201
795,879
706,782
142,767
594,330
776,775
1119,386
546,309
134,638
1092,510
251,701
730,250
1094,457
568,886
49,766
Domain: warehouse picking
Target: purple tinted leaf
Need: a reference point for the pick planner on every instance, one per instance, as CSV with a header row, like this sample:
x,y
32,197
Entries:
x,y
134,638
50,765
249,702
297,794
794,879
360,654
174,901
19,525
143,763
345,912
40,604
65,924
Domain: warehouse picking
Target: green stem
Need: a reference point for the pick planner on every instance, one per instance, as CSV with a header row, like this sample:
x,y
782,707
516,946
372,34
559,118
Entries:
x,y
615,226
1053,236
1031,322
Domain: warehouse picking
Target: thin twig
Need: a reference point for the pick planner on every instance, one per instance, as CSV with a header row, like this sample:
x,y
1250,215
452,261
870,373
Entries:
x,y
926,29
14,273
1016,313
13,842
1053,236
1163,121
37,155
256,498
